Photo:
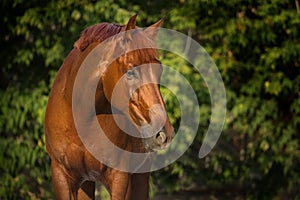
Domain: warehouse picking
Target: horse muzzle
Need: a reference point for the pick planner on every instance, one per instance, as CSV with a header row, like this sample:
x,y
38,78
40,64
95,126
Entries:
x,y
159,141
158,133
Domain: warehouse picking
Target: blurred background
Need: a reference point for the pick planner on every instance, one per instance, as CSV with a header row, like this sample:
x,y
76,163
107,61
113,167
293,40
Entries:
x,y
256,46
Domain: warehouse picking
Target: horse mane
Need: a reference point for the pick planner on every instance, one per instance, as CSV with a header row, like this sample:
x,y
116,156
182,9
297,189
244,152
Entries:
x,y
97,33
100,32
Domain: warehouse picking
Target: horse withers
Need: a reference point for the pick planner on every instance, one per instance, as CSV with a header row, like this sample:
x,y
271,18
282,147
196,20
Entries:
x,y
137,100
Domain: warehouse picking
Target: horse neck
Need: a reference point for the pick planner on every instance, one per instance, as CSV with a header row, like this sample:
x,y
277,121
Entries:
x,y
70,69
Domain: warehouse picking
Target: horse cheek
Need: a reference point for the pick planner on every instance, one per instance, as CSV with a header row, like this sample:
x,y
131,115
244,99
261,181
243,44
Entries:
x,y
108,85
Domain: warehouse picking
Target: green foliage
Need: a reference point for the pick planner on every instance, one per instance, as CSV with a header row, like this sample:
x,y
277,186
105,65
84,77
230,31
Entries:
x,y
255,47
254,44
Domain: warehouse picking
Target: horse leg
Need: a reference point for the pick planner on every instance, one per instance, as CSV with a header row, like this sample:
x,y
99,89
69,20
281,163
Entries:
x,y
87,191
140,186
64,187
120,186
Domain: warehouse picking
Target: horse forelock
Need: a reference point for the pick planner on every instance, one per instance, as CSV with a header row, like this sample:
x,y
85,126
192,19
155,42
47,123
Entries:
x,y
144,47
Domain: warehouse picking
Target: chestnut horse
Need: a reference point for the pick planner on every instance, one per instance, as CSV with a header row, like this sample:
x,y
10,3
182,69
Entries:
x,y
74,168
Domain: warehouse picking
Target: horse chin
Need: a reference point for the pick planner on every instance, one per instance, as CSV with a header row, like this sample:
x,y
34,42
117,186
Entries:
x,y
160,148
155,148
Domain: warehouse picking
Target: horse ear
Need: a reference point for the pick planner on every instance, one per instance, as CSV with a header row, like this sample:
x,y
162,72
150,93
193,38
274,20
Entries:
x,y
152,30
131,23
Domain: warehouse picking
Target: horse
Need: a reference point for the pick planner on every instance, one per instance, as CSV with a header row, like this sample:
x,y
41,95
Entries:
x,y
74,168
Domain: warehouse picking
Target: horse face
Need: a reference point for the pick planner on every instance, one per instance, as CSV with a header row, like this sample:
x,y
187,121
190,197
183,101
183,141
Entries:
x,y
134,78
132,87
146,106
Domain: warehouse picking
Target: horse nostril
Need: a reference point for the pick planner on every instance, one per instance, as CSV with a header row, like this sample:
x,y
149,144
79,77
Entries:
x,y
161,137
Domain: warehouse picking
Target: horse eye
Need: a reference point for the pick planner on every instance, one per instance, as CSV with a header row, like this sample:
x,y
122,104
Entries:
x,y
131,73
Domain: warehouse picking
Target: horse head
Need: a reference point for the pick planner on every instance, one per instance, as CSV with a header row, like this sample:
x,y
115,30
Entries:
x,y
131,85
